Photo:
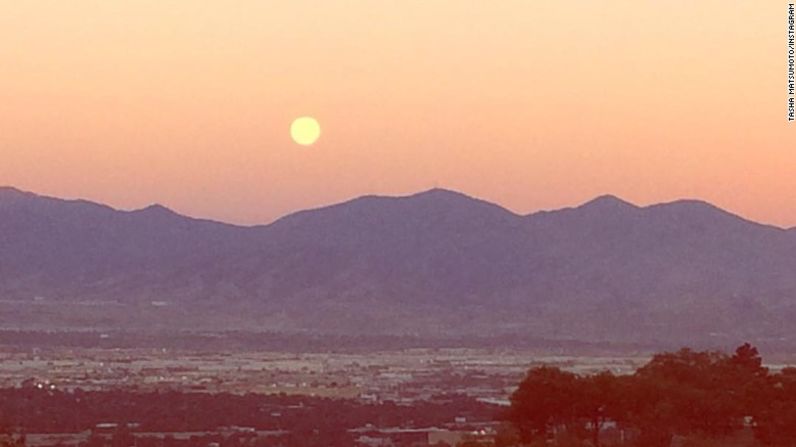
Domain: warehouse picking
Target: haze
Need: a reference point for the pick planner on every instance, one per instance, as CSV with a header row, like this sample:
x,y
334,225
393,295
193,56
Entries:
x,y
531,105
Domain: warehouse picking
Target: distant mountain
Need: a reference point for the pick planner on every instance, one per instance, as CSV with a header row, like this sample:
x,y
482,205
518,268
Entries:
x,y
433,263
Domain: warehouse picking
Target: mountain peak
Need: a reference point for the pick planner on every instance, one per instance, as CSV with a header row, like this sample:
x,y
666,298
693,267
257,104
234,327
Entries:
x,y
697,211
446,199
440,193
690,204
608,202
155,209
11,192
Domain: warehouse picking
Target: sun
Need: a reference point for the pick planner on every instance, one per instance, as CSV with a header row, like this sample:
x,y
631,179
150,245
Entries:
x,y
305,130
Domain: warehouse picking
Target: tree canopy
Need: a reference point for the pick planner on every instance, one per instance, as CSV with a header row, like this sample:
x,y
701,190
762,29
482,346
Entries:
x,y
696,395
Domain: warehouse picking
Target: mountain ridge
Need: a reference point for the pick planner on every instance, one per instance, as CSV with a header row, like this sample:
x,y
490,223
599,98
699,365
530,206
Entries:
x,y
608,199
435,262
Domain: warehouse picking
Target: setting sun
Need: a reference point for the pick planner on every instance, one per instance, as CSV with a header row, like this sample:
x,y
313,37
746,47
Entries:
x,y
305,130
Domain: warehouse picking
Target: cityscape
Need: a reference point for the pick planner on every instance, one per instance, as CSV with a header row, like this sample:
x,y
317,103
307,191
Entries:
x,y
359,223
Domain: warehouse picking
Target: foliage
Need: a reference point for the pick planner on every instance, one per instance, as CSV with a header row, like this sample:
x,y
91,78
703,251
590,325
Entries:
x,y
692,397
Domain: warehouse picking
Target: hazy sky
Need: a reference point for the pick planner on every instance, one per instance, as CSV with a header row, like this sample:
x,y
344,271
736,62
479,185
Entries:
x,y
528,104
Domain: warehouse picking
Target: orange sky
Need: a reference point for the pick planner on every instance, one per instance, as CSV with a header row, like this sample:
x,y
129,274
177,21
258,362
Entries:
x,y
528,104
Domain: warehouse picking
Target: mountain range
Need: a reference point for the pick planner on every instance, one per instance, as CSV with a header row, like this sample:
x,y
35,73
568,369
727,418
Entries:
x,y
433,263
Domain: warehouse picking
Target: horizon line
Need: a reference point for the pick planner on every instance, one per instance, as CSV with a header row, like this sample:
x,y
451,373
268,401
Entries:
x,y
596,199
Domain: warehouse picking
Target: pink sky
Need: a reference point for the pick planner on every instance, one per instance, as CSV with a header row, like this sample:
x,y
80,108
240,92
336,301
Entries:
x,y
528,104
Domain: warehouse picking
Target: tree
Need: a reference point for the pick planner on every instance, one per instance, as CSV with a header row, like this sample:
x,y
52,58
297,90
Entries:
x,y
9,439
693,395
747,358
775,416
599,401
686,392
544,401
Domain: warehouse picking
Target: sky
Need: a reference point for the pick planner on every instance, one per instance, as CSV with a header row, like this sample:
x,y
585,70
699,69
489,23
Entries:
x,y
529,104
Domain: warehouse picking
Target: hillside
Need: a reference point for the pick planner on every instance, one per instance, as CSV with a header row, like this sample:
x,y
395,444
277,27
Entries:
x,y
433,263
